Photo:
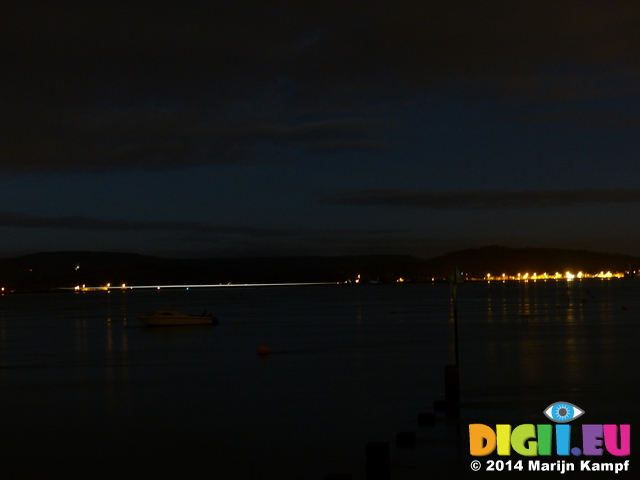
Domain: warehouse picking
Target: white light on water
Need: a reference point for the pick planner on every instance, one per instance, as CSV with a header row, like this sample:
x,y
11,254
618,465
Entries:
x,y
217,285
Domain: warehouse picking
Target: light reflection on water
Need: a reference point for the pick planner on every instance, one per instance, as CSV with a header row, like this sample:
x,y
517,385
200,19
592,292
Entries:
x,y
90,392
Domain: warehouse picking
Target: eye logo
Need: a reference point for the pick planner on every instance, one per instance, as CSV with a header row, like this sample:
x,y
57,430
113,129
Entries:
x,y
562,412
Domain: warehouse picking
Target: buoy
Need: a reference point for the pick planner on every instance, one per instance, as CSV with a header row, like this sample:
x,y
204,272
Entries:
x,y
263,350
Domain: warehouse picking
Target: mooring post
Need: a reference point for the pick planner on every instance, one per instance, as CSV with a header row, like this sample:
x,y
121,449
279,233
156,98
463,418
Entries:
x,y
454,287
378,461
452,372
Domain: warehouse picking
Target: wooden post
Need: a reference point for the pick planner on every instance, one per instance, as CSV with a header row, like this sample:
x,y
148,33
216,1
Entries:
x,y
452,372
378,461
455,278
455,322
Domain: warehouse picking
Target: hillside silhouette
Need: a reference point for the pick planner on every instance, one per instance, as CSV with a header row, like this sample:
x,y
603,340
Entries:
x,y
52,270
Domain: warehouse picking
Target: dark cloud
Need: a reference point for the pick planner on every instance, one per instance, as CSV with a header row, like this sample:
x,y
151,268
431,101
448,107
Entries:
x,y
481,199
155,139
187,229
589,118
96,85
310,242
22,220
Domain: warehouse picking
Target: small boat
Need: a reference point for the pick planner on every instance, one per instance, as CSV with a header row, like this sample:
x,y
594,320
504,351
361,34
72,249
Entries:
x,y
170,317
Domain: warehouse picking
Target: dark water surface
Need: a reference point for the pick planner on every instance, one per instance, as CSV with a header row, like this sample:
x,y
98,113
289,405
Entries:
x,y
88,392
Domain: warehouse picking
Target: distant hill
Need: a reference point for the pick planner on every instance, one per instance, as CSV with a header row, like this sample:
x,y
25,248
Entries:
x,y
497,260
47,271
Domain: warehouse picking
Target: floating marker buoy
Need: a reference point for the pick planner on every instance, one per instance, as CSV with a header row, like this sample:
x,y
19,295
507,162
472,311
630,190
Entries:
x,y
263,350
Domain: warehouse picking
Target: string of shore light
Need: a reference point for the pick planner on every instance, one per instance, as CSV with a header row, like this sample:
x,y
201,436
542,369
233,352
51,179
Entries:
x,y
504,277
124,286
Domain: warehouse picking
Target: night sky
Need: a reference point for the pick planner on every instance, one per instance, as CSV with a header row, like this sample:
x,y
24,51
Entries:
x,y
245,128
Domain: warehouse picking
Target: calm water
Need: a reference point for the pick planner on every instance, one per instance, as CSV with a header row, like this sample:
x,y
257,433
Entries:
x,y
88,392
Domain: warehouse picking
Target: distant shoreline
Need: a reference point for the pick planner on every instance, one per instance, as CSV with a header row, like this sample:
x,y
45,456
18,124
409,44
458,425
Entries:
x,y
54,270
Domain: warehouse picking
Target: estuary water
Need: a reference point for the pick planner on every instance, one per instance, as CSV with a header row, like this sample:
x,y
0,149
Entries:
x,y
88,392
